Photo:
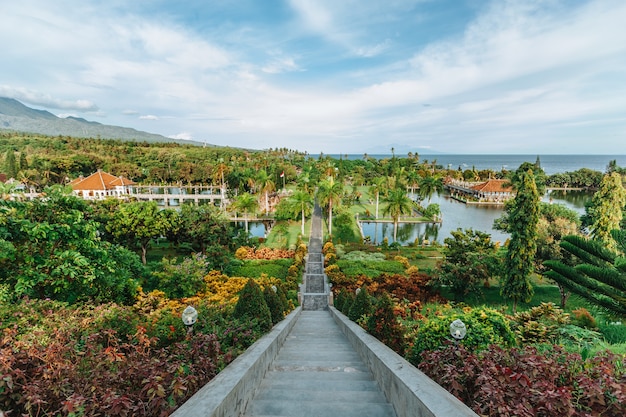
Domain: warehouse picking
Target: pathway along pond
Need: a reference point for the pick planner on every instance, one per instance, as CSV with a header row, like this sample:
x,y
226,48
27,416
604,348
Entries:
x,y
459,215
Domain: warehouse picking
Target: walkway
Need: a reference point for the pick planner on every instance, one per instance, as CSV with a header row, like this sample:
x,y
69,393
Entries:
x,y
317,373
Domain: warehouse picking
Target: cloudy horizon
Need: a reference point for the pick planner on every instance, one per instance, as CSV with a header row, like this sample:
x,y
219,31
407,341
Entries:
x,y
506,76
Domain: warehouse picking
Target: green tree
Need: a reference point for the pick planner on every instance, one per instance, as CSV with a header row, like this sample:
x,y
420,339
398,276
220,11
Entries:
x,y
523,218
377,187
138,223
50,250
264,184
303,203
397,203
555,222
430,185
208,232
246,203
469,259
600,277
184,279
251,306
605,212
329,193
10,164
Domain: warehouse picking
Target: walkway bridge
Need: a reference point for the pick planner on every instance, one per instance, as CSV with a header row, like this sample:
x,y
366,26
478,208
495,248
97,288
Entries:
x,y
318,363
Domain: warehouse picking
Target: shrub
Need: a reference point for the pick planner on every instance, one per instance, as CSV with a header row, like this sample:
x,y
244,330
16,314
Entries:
x,y
613,332
184,279
277,310
583,318
362,305
384,325
252,305
485,326
340,299
526,382
540,324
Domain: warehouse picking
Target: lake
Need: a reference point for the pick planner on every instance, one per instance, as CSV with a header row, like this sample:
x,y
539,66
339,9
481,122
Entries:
x,y
459,215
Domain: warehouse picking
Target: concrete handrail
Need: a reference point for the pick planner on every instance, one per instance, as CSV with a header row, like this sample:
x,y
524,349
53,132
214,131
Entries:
x,y
229,392
409,390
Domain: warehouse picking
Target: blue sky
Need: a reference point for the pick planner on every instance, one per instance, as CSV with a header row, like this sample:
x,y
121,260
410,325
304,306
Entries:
x,y
332,76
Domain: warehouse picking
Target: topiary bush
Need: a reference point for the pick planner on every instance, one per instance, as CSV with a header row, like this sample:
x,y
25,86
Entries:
x,y
485,327
362,305
252,305
277,310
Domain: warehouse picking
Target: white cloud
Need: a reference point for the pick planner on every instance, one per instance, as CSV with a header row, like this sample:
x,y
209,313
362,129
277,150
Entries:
x,y
149,117
37,98
182,136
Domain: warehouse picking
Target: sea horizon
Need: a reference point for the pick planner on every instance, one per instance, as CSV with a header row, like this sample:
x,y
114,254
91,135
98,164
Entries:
x,y
551,163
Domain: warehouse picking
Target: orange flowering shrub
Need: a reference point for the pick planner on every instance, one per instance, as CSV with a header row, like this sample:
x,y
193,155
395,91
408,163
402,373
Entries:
x,y
222,289
245,252
403,260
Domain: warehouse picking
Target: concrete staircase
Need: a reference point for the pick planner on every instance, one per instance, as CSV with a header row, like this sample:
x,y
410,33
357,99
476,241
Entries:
x,y
315,291
317,373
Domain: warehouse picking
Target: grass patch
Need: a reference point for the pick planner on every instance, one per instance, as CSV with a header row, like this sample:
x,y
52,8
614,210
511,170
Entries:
x,y
255,268
370,269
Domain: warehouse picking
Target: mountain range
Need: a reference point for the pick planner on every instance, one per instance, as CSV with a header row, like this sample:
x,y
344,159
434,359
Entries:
x,y
15,116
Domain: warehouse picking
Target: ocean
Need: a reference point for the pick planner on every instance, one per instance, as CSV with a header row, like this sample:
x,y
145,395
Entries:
x,y
551,164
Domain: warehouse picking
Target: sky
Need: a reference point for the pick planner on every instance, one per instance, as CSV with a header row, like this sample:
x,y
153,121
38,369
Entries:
x,y
330,76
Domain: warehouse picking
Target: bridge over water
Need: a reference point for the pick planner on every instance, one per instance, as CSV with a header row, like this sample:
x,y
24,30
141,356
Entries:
x,y
318,363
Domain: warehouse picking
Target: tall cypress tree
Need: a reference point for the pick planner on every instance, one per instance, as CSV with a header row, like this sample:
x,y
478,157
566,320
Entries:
x,y
10,164
523,219
605,212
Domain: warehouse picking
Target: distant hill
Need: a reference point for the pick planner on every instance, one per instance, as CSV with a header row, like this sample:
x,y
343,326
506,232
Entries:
x,y
15,116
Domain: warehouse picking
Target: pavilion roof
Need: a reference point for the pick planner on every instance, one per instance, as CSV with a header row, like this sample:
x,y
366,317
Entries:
x,y
99,180
494,186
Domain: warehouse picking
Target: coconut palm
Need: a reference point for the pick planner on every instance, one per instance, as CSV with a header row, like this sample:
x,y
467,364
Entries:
x,y
329,192
429,185
302,202
245,203
398,204
263,183
378,186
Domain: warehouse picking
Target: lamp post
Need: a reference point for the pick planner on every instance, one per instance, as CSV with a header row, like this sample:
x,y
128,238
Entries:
x,y
457,331
189,316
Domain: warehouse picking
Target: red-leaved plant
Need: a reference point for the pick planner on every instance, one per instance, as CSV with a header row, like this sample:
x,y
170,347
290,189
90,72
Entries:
x,y
525,382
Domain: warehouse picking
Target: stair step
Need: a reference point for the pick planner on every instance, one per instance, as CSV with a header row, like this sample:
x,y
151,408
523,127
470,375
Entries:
x,y
318,409
370,397
317,385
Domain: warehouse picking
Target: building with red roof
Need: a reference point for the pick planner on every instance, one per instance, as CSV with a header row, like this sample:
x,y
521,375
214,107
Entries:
x,y
492,191
101,185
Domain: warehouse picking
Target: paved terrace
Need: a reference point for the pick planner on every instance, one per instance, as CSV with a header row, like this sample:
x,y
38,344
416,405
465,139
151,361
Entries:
x,y
318,363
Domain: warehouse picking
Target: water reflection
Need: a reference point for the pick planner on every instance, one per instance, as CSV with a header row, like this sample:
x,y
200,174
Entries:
x,y
459,215
574,199
455,215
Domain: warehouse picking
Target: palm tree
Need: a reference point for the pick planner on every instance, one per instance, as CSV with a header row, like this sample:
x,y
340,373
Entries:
x,y
246,203
398,203
430,185
378,186
330,192
6,189
301,201
263,183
